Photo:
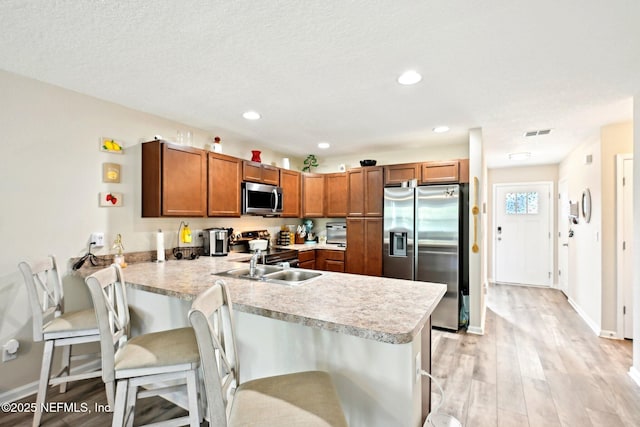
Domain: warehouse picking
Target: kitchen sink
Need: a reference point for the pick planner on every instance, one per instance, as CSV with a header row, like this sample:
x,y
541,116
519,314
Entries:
x,y
273,274
243,272
293,277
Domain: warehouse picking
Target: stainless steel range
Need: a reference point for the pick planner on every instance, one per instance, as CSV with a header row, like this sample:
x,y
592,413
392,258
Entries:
x,y
270,256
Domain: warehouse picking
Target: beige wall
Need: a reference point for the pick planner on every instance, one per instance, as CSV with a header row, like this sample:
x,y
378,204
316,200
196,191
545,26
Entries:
x,y
514,175
50,177
427,153
585,247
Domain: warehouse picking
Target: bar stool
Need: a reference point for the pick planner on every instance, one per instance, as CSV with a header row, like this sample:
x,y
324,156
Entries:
x,y
304,399
56,327
154,361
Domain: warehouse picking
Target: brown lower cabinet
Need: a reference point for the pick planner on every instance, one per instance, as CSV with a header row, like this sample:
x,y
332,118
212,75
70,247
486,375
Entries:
x,y
364,246
330,260
307,259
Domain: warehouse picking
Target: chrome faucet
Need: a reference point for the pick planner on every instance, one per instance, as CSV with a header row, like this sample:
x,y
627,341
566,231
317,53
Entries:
x,y
253,262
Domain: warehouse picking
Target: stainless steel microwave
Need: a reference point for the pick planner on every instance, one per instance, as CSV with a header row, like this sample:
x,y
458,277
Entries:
x,y
261,199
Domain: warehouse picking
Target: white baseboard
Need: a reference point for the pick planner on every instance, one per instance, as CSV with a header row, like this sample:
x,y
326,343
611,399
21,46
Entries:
x,y
635,374
612,335
32,388
594,327
477,330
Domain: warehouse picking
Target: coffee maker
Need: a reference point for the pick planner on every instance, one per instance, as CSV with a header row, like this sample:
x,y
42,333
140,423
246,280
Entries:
x,y
216,241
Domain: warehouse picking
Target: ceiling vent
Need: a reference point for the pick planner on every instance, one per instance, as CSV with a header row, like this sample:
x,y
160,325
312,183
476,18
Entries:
x,y
537,132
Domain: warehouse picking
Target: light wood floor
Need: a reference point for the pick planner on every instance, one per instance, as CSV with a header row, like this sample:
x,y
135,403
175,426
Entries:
x,y
537,365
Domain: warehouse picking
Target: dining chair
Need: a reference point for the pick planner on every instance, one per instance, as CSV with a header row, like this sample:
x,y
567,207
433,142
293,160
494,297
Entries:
x,y
306,399
153,361
56,327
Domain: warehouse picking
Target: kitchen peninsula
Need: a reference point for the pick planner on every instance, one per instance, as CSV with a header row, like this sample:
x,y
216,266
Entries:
x,y
367,332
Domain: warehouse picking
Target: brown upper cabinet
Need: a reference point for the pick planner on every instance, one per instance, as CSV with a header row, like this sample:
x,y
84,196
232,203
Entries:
x,y
397,174
290,183
259,172
225,179
313,195
365,191
463,171
440,172
435,172
174,180
336,195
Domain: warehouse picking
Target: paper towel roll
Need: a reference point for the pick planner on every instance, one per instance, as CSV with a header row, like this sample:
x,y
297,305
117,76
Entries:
x,y
160,246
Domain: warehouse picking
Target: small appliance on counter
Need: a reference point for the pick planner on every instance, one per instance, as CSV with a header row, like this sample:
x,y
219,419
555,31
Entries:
x,y
216,241
337,233
270,255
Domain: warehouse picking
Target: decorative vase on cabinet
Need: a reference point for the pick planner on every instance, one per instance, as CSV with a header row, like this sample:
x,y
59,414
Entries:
x,y
255,156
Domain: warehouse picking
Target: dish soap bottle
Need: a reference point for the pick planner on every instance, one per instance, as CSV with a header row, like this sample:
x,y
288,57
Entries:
x,y
186,234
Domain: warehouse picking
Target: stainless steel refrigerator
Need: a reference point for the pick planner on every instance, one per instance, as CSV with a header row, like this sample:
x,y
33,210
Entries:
x,y
423,230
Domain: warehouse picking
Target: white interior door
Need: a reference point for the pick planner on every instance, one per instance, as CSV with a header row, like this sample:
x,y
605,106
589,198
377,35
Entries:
x,y
627,253
563,236
523,250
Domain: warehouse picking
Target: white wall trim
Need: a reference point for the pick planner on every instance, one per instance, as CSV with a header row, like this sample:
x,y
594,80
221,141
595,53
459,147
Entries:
x,y
593,325
634,374
32,388
612,335
476,330
620,158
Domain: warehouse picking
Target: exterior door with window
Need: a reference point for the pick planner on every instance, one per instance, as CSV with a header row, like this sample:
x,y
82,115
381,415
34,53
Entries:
x,y
523,249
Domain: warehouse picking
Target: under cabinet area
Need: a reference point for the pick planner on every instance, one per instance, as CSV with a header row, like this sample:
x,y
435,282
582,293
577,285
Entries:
x,y
174,180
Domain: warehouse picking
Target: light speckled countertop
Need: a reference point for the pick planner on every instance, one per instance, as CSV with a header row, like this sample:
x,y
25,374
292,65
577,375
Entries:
x,y
310,246
377,308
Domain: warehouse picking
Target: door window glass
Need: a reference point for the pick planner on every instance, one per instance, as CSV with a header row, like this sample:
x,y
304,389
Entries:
x,y
521,203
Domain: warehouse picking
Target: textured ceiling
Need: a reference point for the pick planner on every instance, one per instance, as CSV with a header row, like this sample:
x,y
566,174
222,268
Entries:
x,y
326,70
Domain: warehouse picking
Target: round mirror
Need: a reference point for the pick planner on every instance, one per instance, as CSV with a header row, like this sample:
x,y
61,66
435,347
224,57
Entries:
x,y
586,205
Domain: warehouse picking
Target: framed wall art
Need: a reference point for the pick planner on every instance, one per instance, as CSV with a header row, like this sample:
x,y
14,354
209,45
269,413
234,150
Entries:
x,y
111,172
110,199
110,145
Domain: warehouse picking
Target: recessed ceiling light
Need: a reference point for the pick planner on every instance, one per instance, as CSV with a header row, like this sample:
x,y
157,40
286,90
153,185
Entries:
x,y
324,145
409,77
519,156
441,129
251,115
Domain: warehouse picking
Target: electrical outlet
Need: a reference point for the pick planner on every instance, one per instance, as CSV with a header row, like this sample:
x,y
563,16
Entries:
x,y
10,350
418,366
98,238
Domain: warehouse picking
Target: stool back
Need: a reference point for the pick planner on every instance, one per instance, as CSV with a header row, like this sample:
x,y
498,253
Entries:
x,y
107,287
44,290
212,319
